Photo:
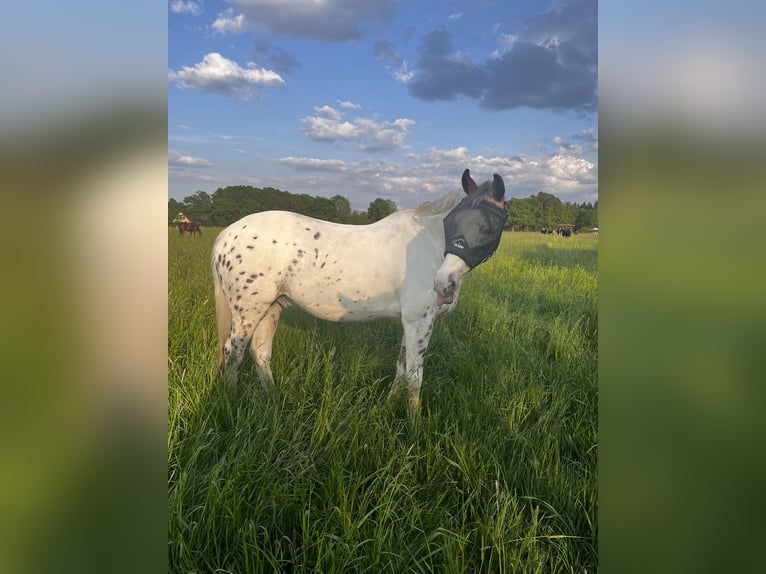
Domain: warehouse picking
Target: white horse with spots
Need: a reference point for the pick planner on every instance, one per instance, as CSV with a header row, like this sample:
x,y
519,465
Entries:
x,y
408,265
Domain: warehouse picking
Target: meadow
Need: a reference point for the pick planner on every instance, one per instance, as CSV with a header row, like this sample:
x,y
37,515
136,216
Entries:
x,y
497,473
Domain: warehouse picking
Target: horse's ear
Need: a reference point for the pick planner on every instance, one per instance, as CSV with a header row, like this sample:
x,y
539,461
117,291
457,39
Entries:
x,y
498,187
469,185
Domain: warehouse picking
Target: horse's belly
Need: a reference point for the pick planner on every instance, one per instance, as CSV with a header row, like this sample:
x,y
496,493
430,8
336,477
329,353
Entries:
x,y
340,307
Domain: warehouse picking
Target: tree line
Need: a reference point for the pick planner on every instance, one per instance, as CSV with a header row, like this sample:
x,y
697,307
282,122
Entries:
x,y
226,205
543,211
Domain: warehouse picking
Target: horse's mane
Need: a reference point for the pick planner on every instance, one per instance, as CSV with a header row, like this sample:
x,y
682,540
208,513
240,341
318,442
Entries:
x,y
440,206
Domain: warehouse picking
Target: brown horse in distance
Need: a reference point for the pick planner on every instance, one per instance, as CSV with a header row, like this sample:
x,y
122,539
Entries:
x,y
186,225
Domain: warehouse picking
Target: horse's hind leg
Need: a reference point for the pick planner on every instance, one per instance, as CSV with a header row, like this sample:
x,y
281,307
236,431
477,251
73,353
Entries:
x,y
260,345
242,329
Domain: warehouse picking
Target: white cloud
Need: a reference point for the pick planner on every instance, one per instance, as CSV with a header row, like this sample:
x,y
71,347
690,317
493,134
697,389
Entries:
x,y
181,7
368,133
428,176
326,129
180,158
329,113
569,171
324,20
229,22
438,156
385,50
456,16
348,105
219,75
402,75
313,164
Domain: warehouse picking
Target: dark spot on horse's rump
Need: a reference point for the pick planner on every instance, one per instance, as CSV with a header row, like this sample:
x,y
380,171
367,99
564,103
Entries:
x,y
239,256
308,229
243,272
244,226
236,236
289,268
274,241
316,253
225,243
249,280
253,275
255,292
255,237
322,265
295,261
232,249
260,274
239,297
219,257
317,235
249,246
244,287
425,314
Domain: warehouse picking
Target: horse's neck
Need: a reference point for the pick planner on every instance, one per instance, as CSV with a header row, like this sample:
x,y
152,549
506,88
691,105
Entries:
x,y
434,227
430,216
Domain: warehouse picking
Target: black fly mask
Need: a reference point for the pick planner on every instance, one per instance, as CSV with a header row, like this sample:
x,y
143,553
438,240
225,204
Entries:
x,y
472,230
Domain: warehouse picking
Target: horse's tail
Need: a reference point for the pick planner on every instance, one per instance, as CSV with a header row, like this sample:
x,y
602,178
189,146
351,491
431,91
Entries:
x,y
222,313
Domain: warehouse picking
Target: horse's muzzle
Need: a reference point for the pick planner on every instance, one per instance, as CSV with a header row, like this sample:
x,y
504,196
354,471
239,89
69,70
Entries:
x,y
445,295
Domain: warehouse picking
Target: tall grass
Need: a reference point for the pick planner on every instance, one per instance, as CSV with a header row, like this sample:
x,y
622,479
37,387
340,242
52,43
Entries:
x,y
497,474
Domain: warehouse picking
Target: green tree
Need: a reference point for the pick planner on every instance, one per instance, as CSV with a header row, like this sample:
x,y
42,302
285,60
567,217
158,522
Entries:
x,y
519,215
342,208
587,218
380,208
197,207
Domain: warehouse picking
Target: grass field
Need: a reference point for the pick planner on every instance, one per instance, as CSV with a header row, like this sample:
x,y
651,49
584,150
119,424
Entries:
x,y
498,473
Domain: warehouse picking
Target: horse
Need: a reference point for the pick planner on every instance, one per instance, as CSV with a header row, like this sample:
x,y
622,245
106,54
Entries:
x,y
189,227
186,225
409,265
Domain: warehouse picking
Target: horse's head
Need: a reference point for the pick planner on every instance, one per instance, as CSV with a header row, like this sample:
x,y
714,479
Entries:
x,y
472,232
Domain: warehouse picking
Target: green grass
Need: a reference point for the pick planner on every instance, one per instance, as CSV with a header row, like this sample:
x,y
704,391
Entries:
x,y
498,473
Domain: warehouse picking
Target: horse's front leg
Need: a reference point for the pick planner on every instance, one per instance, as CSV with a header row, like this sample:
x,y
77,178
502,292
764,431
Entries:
x,y
417,334
401,371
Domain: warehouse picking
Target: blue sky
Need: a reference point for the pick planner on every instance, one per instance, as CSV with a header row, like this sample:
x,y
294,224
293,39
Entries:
x,y
383,98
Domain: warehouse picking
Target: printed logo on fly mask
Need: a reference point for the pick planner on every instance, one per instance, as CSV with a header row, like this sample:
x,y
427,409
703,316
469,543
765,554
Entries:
x,y
472,230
